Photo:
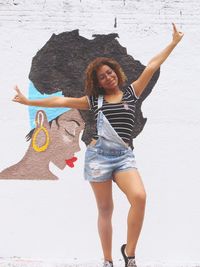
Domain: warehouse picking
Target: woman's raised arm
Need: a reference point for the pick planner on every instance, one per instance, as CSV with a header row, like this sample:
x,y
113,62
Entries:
x,y
54,101
153,65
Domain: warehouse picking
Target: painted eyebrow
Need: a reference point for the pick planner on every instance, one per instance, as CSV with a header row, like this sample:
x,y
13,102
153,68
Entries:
x,y
76,122
73,121
68,131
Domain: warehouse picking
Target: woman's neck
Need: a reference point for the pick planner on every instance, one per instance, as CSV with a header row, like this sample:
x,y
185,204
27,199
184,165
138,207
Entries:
x,y
115,97
114,91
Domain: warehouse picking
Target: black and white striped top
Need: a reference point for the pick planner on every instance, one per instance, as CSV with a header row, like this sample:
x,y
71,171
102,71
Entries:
x,y
120,115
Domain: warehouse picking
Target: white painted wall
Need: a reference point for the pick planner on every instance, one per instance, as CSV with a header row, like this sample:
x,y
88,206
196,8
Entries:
x,y
44,219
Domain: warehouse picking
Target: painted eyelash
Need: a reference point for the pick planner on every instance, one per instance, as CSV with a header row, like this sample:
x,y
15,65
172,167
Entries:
x,y
69,133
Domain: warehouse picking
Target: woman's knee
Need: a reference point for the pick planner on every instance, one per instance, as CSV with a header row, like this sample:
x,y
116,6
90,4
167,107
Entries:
x,y
138,198
105,209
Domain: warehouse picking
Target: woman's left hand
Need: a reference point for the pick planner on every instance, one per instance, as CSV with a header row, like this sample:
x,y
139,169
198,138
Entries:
x,y
177,35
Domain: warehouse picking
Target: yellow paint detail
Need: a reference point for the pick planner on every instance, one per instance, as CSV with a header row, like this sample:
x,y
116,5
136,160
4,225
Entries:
x,y
45,146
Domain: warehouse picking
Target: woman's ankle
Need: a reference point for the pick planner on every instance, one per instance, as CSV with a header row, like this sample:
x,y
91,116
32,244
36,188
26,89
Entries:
x,y
129,253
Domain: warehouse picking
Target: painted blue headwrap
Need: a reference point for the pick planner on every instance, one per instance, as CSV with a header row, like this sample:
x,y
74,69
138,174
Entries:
x,y
51,113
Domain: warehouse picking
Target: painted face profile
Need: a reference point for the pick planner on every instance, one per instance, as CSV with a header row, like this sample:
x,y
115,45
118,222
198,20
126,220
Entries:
x,y
65,134
56,141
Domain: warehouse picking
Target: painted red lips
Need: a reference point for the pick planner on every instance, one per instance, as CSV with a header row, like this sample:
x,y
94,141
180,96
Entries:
x,y
70,162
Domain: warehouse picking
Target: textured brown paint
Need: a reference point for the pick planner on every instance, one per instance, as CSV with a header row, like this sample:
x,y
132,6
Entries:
x,y
35,165
60,66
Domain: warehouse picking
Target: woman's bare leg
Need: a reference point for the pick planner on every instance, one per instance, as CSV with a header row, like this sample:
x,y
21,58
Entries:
x,y
103,195
131,184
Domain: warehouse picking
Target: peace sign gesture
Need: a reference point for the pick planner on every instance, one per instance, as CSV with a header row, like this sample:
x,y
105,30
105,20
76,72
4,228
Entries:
x,y
177,35
19,97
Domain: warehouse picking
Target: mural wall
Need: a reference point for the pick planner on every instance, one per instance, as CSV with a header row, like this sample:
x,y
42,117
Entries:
x,y
47,209
59,69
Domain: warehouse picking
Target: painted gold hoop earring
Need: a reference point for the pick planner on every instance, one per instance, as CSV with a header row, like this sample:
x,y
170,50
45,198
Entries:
x,y
41,128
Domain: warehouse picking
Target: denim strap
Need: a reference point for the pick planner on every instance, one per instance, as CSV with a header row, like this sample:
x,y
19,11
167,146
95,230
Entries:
x,y
100,101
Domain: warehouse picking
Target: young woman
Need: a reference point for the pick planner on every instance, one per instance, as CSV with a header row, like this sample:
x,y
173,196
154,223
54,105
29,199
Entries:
x,y
108,156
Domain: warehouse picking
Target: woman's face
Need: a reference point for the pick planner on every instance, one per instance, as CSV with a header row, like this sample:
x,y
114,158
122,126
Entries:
x,y
107,78
65,138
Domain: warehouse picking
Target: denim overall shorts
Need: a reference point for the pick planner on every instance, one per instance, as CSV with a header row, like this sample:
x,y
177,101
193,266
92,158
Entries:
x,y
110,154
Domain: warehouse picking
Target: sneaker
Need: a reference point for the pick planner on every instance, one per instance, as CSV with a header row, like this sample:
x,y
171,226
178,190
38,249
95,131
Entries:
x,y
129,261
107,264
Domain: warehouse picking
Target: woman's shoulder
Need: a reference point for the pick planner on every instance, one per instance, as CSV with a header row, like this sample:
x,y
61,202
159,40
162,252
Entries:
x,y
93,101
130,92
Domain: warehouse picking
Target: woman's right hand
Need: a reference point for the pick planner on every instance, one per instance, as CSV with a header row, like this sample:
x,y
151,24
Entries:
x,y
177,35
19,97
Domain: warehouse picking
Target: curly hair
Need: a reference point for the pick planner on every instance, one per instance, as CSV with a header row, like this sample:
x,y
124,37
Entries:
x,y
91,82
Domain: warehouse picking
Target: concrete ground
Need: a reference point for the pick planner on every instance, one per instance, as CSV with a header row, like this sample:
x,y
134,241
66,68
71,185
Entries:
x,y
19,262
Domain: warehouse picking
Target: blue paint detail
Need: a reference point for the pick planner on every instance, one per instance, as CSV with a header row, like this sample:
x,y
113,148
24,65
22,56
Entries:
x,y
51,113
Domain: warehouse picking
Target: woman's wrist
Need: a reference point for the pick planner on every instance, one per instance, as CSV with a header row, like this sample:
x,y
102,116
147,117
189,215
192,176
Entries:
x,y
27,102
174,43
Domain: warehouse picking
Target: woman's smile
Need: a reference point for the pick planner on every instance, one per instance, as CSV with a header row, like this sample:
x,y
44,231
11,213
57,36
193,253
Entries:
x,y
107,78
111,82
